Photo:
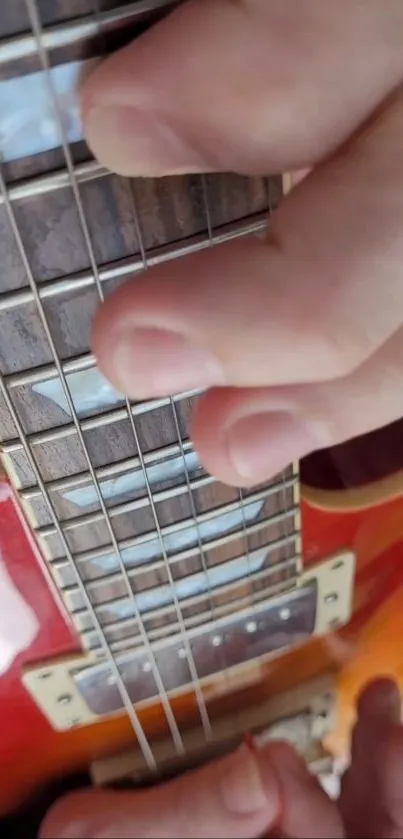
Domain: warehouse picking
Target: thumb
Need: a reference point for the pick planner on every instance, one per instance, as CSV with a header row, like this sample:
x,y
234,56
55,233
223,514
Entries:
x,y
234,796
254,86
246,794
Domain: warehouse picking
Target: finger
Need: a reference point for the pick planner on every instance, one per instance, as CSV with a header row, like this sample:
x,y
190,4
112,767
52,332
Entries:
x,y
306,811
236,796
378,710
379,701
244,795
245,436
310,303
372,791
252,86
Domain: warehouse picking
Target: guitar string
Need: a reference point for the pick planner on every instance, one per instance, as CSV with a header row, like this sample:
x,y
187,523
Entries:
x,y
267,590
179,441
141,736
284,505
174,728
196,685
95,585
190,493
247,536
178,526
252,625
134,718
200,548
98,582
73,30
144,259
245,530
284,565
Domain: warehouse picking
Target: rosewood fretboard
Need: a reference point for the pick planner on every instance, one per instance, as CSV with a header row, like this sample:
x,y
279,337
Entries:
x,y
138,537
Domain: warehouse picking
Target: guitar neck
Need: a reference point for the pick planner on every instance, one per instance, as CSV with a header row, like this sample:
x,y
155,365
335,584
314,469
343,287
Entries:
x,y
141,542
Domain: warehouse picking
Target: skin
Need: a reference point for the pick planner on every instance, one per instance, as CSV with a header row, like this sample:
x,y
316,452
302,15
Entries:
x,y
248,795
289,338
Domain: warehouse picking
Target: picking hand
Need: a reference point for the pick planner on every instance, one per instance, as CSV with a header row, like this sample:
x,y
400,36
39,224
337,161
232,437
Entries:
x,y
249,795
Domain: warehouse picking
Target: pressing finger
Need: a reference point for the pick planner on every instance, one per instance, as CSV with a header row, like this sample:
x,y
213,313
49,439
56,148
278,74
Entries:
x,y
254,86
310,303
245,436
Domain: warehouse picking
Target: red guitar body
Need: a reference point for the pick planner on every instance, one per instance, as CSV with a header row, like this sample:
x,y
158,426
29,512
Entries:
x,y
33,628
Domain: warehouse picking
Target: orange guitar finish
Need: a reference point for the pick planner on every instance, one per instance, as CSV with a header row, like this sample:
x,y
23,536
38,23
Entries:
x,y
33,628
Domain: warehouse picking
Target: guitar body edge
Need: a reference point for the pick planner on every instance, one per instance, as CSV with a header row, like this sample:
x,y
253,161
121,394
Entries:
x,y
35,628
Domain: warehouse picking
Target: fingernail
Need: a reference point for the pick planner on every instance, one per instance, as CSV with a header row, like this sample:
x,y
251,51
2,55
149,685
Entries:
x,y
138,142
249,784
264,444
153,362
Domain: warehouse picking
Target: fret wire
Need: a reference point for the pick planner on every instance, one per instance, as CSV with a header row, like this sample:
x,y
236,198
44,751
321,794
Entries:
x,y
47,372
176,735
262,594
137,571
169,631
201,702
210,229
31,493
174,413
168,641
111,470
223,611
100,582
87,424
181,445
99,552
129,265
71,32
132,714
107,514
84,519
38,185
34,18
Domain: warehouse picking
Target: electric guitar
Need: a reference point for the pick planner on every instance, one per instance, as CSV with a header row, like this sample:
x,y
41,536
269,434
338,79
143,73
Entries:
x,y
150,616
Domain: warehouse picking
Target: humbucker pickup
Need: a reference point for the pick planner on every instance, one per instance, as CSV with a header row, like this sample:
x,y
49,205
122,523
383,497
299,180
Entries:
x,y
82,689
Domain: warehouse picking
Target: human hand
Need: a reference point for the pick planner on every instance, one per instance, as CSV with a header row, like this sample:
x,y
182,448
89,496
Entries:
x,y
270,793
298,339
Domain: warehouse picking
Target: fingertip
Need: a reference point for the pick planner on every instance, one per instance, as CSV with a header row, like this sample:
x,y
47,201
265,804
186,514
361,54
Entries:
x,y
381,699
306,809
247,436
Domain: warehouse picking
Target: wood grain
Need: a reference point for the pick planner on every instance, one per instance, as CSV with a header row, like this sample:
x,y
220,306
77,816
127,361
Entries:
x,y
125,218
